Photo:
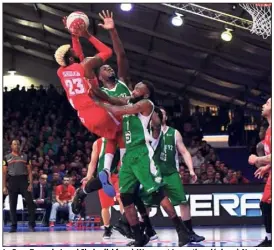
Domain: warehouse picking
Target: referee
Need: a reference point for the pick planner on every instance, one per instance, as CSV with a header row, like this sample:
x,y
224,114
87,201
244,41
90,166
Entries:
x,y
18,174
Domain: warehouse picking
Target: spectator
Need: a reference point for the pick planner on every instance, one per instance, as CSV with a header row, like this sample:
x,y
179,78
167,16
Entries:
x,y
198,159
42,197
50,144
218,178
186,177
64,196
84,172
239,179
204,148
212,156
193,149
227,179
203,177
210,178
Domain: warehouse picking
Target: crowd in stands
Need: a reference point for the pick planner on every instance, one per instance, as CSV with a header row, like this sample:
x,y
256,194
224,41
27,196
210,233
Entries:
x,y
59,147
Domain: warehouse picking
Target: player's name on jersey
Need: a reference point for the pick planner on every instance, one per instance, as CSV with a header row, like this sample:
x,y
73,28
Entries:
x,y
71,73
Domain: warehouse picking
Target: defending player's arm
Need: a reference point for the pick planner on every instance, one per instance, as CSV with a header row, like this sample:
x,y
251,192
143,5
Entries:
x,y
122,61
143,106
5,169
263,160
119,101
184,152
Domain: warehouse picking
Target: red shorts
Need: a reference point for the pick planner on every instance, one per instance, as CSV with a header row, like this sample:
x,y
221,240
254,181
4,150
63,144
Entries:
x,y
267,190
105,200
98,121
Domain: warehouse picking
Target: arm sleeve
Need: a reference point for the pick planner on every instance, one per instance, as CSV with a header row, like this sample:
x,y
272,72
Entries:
x,y
76,45
104,51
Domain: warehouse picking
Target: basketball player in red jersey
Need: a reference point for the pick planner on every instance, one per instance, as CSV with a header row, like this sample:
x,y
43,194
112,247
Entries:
x,y
266,202
79,80
114,86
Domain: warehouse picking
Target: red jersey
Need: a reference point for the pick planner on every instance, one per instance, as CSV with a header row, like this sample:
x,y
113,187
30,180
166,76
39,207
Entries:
x,y
76,85
65,193
267,149
267,142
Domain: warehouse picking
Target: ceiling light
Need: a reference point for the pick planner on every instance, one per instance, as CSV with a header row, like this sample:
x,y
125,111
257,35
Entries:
x,y
177,20
12,71
126,6
227,35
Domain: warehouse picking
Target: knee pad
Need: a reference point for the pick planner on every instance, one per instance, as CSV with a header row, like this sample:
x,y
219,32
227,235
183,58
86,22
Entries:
x,y
158,195
92,185
127,199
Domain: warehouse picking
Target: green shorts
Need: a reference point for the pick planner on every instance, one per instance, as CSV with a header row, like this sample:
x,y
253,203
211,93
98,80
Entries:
x,y
139,168
173,188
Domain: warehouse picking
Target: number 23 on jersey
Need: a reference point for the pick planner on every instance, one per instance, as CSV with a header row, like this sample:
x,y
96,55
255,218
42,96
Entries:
x,y
75,86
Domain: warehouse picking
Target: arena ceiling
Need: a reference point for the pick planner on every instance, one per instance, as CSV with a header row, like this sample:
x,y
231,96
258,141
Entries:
x,y
189,60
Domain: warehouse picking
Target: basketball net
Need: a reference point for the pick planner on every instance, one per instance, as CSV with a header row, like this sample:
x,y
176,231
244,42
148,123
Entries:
x,y
261,16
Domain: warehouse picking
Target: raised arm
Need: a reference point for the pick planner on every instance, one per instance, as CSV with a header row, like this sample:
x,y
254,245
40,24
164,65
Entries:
x,y
122,61
76,45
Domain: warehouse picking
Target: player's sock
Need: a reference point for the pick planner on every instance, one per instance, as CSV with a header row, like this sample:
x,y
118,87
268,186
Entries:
x,y
147,221
108,161
137,232
188,224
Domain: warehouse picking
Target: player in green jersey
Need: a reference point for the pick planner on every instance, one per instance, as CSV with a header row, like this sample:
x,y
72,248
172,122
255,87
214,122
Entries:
x,y
114,85
167,143
138,166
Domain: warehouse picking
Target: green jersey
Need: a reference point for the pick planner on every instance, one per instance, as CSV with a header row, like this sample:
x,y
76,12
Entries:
x,y
135,130
120,90
165,152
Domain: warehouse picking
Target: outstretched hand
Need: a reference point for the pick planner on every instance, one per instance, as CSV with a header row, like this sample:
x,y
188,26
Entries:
x,y
107,18
65,21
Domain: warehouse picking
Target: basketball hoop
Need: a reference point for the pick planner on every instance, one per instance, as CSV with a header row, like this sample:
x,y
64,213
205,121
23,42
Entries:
x,y
261,16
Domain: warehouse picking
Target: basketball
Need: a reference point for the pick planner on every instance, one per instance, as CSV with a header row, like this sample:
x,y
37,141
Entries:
x,y
77,21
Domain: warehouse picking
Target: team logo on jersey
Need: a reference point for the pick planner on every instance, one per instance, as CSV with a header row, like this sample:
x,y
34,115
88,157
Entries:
x,y
128,137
